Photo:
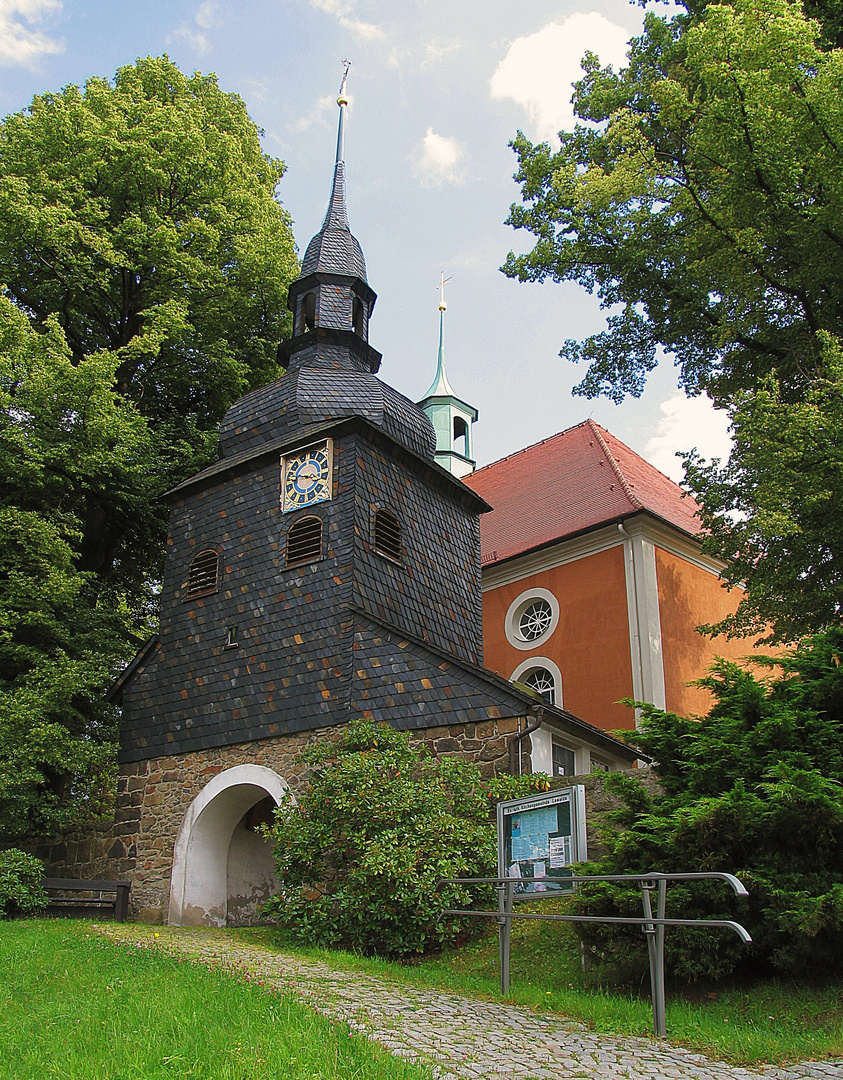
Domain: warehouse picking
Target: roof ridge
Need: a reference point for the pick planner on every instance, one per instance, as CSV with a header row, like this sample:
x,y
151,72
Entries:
x,y
526,449
627,490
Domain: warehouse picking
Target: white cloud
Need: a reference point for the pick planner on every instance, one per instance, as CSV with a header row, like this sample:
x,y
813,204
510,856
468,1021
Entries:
x,y
194,38
440,161
323,108
437,50
342,11
688,423
208,16
539,70
20,44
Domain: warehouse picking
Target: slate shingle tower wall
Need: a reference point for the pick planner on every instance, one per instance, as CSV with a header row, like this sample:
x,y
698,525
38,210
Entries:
x,y
277,649
294,666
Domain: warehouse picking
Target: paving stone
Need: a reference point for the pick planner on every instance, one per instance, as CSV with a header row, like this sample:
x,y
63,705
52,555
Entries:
x,y
462,1038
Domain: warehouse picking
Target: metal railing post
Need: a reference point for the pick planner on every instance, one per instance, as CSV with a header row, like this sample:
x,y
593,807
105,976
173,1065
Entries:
x,y
504,891
655,953
652,925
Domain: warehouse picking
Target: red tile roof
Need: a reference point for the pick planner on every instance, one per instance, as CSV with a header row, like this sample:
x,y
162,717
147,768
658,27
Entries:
x,y
575,481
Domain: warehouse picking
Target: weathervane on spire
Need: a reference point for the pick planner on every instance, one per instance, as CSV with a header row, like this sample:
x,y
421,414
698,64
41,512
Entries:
x,y
443,281
342,101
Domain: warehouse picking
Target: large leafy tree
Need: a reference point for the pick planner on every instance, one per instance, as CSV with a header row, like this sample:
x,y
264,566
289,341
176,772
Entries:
x,y
64,430
144,259
142,214
773,510
703,204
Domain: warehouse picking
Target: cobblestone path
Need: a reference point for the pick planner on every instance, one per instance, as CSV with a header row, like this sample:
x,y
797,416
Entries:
x,y
466,1039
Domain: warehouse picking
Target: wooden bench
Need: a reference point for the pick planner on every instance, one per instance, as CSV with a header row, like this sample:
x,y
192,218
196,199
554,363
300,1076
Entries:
x,y
74,898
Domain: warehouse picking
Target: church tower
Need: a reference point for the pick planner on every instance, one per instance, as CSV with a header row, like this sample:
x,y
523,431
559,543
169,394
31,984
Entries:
x,y
325,568
451,417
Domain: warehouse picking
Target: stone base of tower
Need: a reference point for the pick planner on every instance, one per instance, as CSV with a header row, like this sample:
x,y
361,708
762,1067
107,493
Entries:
x,y
185,826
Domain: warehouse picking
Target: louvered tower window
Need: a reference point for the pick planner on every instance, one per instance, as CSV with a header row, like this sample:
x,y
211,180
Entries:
x,y
304,541
387,534
203,573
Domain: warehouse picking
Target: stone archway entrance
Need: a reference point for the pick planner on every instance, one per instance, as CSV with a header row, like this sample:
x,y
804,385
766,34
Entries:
x,y
222,867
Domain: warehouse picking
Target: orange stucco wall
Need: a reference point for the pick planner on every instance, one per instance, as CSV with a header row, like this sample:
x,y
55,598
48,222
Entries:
x,y
590,644
689,596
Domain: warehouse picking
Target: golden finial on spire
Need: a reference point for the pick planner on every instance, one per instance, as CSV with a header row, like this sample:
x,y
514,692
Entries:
x,y
443,281
342,99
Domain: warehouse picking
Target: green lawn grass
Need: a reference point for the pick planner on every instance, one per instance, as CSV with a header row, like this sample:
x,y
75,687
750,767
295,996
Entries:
x,y
75,1006
744,1022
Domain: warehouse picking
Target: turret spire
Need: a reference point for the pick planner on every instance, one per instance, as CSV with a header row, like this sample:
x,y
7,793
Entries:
x,y
440,383
342,101
451,418
333,249
331,295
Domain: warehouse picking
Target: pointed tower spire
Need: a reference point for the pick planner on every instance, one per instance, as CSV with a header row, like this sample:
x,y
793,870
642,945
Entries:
x,y
451,418
333,250
331,295
440,384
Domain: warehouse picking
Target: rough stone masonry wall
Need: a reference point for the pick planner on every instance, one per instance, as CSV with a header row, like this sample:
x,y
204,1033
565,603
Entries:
x,y
153,797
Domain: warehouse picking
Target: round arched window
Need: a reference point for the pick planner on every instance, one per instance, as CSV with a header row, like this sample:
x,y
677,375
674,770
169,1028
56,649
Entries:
x,y
542,675
204,569
542,682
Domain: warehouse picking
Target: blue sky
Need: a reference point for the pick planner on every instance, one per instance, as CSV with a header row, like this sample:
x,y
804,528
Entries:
x,y
437,90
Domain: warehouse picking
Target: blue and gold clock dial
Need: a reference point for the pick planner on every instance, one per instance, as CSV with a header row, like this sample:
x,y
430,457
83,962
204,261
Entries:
x,y
306,477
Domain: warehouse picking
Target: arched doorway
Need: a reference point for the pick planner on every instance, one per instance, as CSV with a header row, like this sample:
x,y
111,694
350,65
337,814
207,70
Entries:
x,y
222,867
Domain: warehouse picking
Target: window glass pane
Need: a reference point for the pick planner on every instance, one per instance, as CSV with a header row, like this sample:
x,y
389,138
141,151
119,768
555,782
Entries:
x,y
541,681
563,761
535,620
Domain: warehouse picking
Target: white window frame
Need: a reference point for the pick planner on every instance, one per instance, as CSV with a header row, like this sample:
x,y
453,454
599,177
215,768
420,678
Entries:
x,y
526,666
517,608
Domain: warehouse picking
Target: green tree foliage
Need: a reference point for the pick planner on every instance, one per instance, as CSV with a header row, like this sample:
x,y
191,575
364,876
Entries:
x,y
21,892
702,202
142,215
773,511
144,261
359,856
754,788
703,205
64,430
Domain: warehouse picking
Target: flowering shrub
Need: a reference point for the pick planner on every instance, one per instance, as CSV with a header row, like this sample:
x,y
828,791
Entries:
x,y
360,855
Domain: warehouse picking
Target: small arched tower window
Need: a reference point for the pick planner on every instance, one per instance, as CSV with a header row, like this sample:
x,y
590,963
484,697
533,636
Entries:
x,y
204,571
357,314
304,541
387,533
307,313
460,436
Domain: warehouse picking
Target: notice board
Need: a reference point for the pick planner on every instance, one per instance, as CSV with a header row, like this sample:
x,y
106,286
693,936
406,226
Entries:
x,y
539,839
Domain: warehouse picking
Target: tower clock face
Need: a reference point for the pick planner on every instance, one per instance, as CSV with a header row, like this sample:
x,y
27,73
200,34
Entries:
x,y
306,476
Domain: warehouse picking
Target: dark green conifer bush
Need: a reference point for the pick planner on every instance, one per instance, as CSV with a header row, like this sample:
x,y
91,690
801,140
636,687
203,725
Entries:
x,y
754,788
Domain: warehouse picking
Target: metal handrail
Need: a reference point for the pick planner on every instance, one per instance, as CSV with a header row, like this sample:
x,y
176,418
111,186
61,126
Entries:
x,y
652,925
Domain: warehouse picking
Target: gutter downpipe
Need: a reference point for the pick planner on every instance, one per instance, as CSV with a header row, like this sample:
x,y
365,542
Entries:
x,y
516,739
